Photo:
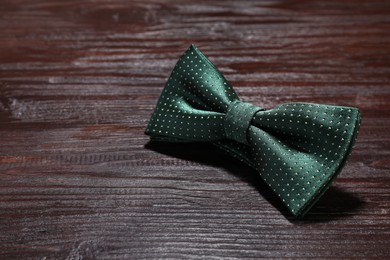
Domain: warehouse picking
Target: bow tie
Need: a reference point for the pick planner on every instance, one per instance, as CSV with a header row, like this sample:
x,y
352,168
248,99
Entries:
x,y
297,148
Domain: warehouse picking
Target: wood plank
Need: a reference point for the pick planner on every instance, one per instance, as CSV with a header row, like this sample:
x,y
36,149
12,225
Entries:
x,y
79,80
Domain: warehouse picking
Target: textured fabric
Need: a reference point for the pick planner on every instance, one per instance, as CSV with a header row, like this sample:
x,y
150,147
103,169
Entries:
x,y
238,119
297,148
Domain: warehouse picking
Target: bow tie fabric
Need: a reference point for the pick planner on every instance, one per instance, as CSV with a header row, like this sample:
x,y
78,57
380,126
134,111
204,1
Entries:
x,y
297,148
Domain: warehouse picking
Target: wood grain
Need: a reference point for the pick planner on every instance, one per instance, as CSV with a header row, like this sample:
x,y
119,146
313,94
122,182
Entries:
x,y
79,80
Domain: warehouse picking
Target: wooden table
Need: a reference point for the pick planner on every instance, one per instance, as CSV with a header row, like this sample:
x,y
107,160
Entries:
x,y
79,80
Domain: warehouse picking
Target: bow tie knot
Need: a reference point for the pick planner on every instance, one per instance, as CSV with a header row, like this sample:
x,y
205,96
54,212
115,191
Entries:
x,y
238,119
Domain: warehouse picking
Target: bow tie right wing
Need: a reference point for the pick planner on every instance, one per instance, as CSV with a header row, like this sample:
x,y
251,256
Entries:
x,y
299,148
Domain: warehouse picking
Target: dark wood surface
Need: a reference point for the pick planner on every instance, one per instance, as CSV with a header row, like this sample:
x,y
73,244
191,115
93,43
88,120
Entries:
x,y
79,80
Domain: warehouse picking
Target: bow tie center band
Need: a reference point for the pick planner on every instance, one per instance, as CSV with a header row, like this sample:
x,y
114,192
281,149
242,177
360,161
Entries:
x,y
238,119
297,148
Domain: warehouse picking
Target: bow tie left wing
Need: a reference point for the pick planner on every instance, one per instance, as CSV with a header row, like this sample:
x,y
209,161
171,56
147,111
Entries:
x,y
193,102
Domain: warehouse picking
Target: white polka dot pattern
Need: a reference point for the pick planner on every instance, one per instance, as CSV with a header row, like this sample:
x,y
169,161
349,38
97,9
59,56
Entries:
x,y
297,148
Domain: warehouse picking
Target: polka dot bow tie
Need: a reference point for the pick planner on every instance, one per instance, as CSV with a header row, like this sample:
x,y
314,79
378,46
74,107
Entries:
x,y
297,148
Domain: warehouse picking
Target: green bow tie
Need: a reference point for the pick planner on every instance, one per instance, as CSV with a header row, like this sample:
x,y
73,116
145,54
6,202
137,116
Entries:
x,y
297,148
